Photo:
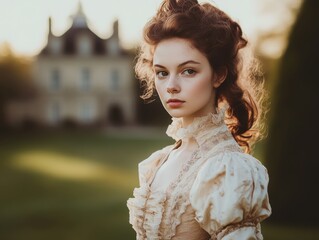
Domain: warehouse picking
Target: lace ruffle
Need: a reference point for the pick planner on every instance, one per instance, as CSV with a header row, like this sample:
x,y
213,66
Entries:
x,y
197,127
178,207
146,212
179,190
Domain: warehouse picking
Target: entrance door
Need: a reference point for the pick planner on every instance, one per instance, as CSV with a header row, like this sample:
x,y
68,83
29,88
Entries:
x,y
115,116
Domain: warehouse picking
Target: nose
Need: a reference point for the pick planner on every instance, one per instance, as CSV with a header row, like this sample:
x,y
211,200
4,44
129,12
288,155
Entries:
x,y
173,86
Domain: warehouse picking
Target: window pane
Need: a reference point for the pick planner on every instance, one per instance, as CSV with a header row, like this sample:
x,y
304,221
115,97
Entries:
x,y
115,78
85,79
55,81
55,112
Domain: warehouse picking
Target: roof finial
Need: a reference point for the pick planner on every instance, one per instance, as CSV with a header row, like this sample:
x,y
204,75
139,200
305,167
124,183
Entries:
x,y
50,25
80,9
79,19
116,28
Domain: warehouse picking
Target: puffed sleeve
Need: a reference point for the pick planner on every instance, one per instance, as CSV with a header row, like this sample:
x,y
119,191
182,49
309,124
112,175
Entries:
x,y
230,198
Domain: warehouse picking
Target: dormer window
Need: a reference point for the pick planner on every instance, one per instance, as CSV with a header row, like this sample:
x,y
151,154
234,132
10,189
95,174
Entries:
x,y
113,46
55,45
84,45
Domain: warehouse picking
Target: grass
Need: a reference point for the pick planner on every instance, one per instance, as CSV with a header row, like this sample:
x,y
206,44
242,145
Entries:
x,y
74,185
69,186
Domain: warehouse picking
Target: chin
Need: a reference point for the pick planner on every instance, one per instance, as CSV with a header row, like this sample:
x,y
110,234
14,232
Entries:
x,y
176,113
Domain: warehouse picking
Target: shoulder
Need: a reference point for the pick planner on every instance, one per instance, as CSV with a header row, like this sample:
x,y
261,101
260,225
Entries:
x,y
147,165
229,188
233,164
230,171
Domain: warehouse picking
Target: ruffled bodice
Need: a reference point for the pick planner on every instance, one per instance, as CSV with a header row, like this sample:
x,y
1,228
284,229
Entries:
x,y
218,190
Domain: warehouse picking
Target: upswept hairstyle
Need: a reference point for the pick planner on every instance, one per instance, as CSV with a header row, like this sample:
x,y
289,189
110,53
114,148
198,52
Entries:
x,y
219,38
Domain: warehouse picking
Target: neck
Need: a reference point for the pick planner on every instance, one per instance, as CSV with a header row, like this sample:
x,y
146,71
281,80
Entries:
x,y
187,120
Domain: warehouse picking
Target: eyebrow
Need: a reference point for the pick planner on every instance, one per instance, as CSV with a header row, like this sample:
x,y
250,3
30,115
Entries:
x,y
180,65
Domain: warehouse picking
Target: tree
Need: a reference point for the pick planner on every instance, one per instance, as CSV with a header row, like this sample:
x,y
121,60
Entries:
x,y
15,79
292,143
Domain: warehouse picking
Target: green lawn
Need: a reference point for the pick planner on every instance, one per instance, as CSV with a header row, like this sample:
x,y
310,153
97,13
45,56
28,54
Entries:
x,y
74,185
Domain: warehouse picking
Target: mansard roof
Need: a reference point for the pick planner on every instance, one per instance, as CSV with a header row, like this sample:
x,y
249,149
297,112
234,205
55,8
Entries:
x,y
80,27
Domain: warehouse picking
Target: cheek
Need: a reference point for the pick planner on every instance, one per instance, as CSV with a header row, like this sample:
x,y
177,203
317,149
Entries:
x,y
159,88
202,88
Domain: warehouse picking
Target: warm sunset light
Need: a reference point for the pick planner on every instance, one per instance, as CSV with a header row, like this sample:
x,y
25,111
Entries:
x,y
71,168
204,131
24,24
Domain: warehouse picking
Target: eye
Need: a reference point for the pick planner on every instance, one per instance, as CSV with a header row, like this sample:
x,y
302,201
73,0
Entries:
x,y
161,74
189,72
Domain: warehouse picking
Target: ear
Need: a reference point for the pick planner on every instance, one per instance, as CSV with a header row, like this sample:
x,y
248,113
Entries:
x,y
219,77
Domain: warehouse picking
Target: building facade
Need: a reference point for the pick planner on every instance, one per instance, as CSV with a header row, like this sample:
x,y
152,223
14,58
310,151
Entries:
x,y
80,78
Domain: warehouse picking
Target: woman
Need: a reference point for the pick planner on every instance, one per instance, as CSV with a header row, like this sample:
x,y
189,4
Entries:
x,y
204,186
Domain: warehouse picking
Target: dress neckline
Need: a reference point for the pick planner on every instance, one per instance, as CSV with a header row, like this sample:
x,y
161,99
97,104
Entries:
x,y
198,128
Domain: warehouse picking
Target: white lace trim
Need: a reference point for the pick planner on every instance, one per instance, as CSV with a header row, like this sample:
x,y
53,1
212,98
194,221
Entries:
x,y
197,127
179,202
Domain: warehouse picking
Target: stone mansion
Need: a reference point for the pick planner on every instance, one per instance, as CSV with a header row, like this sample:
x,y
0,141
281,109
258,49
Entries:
x,y
82,78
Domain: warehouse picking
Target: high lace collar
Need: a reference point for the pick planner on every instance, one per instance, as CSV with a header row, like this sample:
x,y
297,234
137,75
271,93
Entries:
x,y
198,127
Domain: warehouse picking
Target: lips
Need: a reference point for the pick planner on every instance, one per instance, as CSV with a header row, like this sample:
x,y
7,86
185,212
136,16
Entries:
x,y
175,103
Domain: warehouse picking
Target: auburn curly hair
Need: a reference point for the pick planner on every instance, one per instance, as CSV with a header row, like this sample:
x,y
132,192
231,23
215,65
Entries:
x,y
220,39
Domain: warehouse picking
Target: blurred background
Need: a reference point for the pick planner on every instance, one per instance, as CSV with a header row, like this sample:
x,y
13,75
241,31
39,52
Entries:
x,y
73,128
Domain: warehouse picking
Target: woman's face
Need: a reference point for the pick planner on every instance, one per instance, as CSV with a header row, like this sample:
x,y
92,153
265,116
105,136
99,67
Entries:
x,y
183,79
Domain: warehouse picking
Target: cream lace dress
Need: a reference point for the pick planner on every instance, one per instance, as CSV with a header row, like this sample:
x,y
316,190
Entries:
x,y
219,192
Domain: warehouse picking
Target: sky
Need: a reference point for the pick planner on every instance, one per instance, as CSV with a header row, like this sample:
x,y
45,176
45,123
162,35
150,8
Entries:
x,y
24,24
